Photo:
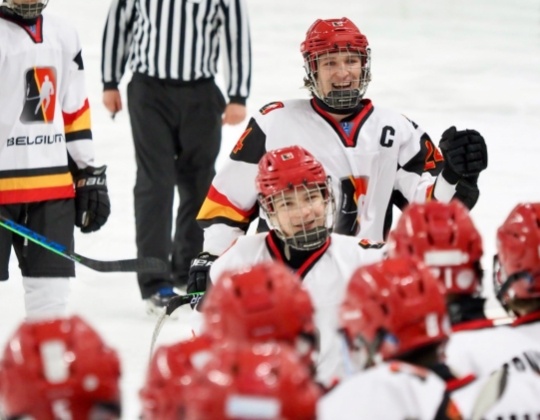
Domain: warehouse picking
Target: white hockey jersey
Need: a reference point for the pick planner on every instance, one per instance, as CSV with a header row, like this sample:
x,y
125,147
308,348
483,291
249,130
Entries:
x,y
377,158
325,279
389,391
509,393
484,350
45,112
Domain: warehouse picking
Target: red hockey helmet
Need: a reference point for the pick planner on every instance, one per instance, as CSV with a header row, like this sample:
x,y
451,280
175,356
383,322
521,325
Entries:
x,y
518,254
292,175
261,381
59,367
261,303
442,235
335,36
283,169
172,367
394,307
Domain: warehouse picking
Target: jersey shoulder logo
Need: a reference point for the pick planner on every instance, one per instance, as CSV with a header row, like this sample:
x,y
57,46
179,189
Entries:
x,y
367,244
240,143
40,95
270,107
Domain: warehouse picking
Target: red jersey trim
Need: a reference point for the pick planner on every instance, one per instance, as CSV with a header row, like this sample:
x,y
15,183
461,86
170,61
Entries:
x,y
305,267
357,122
477,324
457,383
526,319
37,194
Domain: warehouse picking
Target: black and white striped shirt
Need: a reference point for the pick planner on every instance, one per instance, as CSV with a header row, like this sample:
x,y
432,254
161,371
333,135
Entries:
x,y
178,40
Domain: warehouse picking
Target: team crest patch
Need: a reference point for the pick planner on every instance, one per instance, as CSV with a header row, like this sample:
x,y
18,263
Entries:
x,y
270,107
40,95
367,244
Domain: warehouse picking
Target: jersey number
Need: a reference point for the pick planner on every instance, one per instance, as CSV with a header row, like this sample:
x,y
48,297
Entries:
x,y
433,155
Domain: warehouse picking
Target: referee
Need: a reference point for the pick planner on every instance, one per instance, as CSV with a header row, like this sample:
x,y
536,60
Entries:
x,y
176,110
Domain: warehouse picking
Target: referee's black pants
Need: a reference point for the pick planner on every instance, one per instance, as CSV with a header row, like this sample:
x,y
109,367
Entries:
x,y
177,136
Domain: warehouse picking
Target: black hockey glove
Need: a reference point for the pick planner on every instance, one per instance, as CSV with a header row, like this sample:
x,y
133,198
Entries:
x,y
92,203
465,154
199,275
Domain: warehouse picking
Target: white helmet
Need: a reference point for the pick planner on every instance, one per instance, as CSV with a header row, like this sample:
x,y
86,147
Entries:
x,y
27,9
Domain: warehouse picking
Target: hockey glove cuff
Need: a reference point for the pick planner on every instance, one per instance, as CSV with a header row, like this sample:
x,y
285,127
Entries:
x,y
199,274
92,203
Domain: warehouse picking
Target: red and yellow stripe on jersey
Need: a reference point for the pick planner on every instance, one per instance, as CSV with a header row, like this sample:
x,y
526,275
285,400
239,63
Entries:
x,y
217,206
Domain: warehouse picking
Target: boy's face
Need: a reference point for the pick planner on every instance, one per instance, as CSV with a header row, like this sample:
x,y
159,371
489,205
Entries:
x,y
338,71
299,210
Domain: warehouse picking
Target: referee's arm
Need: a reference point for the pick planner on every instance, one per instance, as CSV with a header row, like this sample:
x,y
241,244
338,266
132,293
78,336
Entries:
x,y
237,52
117,37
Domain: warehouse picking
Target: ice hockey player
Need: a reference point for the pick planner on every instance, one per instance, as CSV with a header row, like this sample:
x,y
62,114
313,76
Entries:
x,y
395,324
263,303
375,156
48,181
297,199
444,237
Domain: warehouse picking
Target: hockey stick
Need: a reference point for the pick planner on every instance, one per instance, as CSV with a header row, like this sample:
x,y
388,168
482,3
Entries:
x,y
139,265
490,393
173,305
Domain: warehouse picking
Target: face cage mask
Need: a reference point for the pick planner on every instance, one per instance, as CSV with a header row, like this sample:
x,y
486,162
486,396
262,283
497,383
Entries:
x,y
305,239
358,354
27,10
502,282
341,99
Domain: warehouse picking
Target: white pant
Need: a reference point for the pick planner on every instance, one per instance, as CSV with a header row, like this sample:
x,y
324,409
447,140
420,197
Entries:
x,y
46,297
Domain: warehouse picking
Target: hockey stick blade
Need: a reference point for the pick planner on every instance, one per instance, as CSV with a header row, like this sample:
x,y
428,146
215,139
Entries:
x,y
177,301
139,265
173,305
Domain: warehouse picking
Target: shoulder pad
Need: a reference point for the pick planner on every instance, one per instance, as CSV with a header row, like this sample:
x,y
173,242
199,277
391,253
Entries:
x,y
270,107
